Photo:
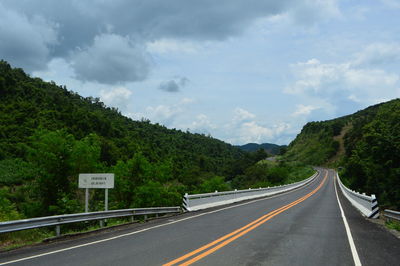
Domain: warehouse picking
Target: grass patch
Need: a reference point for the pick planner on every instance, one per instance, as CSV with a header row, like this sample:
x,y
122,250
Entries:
x,y
391,224
18,239
299,173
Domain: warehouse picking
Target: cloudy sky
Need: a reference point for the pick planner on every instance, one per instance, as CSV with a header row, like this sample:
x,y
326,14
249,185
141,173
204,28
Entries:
x,y
240,70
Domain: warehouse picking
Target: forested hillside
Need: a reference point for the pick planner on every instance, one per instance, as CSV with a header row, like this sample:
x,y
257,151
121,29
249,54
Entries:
x,y
48,135
366,145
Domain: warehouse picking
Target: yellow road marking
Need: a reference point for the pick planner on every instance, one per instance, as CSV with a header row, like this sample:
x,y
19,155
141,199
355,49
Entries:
x,y
239,232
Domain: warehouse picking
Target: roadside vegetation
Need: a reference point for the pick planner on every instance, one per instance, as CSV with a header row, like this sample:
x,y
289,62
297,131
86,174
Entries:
x,y
272,173
48,135
395,225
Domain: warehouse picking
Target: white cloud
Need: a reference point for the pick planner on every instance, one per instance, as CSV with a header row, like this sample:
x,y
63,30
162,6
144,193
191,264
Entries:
x,y
163,114
117,97
378,54
253,132
166,114
343,80
354,98
241,115
57,69
370,78
312,76
304,110
250,132
245,128
202,124
187,101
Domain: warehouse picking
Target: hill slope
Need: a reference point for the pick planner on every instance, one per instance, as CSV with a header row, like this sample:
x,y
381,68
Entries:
x,y
366,144
48,135
29,103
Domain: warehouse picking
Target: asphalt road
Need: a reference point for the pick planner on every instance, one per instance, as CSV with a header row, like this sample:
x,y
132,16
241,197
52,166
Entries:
x,y
302,227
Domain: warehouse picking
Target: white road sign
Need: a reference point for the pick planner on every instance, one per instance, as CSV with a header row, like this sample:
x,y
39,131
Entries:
x,y
96,180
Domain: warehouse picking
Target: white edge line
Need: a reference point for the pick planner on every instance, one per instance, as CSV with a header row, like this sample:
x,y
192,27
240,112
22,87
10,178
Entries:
x,y
156,226
356,258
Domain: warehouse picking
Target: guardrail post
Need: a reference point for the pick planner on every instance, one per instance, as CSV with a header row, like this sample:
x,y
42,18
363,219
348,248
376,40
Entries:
x,y
58,230
101,223
374,207
145,217
186,204
87,200
133,217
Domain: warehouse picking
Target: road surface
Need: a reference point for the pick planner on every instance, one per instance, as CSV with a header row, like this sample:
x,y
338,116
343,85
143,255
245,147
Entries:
x,y
302,227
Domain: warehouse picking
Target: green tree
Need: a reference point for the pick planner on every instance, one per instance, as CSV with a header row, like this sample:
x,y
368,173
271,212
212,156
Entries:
x,y
128,176
152,194
59,159
85,155
8,210
216,183
51,152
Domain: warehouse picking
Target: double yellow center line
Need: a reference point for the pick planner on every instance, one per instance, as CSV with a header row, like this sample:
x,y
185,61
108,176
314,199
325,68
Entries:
x,y
226,239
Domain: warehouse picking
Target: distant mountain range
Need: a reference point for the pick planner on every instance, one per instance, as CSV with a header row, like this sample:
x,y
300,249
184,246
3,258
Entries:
x,y
270,148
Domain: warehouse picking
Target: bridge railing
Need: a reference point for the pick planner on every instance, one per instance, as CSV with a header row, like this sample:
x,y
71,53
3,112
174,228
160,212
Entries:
x,y
367,205
57,220
207,200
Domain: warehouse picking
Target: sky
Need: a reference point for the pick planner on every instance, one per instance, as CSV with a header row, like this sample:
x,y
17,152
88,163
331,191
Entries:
x,y
239,70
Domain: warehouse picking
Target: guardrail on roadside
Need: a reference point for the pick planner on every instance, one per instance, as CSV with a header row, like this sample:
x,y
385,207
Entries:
x,y
196,202
391,215
367,205
57,220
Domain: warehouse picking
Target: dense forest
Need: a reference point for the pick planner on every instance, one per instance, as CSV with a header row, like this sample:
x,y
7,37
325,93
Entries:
x,y
365,146
48,135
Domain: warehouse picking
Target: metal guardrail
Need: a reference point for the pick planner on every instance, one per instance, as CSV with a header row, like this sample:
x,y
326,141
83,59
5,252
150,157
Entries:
x,y
367,205
207,200
392,215
57,220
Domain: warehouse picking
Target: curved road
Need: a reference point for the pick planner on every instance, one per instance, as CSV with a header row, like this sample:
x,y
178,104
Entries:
x,y
302,227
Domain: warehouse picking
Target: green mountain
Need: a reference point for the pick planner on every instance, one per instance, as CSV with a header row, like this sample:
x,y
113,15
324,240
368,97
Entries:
x,y
48,135
270,148
366,145
28,104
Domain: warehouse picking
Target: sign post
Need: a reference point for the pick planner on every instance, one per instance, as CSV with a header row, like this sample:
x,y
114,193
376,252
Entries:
x,y
87,181
86,200
106,199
